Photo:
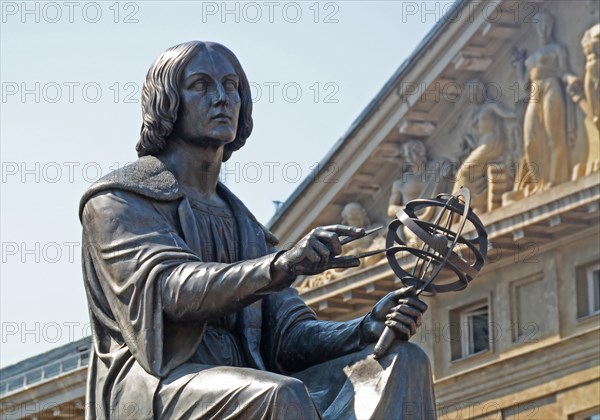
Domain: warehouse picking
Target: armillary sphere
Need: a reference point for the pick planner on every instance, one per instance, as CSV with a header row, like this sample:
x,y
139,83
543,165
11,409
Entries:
x,y
442,258
439,247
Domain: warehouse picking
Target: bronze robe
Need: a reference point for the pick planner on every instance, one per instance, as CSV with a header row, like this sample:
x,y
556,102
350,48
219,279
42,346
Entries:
x,y
150,295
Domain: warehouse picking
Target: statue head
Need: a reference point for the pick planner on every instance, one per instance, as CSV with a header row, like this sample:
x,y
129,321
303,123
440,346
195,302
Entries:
x,y
544,27
161,96
354,214
414,151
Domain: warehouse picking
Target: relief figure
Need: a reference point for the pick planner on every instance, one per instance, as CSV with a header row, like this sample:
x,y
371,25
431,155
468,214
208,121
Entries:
x,y
545,128
493,150
585,92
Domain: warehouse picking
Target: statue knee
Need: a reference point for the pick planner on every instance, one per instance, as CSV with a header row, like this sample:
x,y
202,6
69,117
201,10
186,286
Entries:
x,y
289,389
291,399
288,384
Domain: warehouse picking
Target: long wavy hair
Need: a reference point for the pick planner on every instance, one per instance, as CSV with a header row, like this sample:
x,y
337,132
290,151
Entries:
x,y
160,98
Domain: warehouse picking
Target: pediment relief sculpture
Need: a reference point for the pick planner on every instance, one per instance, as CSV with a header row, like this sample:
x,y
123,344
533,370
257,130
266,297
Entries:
x,y
354,214
419,178
585,92
487,170
548,126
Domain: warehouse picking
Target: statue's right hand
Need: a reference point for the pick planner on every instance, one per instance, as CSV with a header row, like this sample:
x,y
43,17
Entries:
x,y
313,254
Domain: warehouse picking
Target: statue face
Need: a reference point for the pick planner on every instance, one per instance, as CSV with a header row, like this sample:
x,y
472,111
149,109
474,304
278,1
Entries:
x,y
413,151
209,101
354,215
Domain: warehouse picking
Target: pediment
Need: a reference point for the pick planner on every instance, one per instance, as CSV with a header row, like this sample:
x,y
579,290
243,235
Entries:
x,y
462,73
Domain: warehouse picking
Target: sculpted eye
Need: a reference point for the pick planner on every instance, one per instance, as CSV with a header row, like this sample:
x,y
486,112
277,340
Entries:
x,y
230,85
200,85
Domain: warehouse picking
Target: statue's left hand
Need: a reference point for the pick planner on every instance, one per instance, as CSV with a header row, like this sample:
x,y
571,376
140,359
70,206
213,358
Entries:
x,y
400,310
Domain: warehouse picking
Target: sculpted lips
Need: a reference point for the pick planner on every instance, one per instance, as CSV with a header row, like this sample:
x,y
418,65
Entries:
x,y
221,117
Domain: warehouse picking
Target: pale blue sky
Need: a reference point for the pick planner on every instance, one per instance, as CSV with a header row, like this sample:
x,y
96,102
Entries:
x,y
80,118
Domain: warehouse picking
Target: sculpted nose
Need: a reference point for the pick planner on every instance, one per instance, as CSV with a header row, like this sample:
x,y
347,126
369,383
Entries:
x,y
220,96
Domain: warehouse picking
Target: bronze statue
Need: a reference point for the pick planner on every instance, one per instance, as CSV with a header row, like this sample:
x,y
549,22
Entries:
x,y
190,302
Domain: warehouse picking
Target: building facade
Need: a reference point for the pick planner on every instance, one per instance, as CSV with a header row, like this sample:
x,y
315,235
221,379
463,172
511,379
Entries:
x,y
501,97
47,386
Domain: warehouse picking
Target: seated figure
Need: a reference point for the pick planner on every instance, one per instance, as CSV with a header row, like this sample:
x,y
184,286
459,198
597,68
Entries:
x,y
190,302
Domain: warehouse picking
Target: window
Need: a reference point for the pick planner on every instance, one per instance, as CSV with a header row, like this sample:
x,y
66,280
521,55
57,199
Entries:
x,y
593,288
474,331
470,330
588,290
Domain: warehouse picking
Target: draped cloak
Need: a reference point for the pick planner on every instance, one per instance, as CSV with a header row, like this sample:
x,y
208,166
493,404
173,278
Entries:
x,y
150,294
150,297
